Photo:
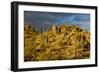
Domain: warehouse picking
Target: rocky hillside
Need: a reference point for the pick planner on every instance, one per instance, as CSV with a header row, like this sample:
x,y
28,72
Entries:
x,y
61,42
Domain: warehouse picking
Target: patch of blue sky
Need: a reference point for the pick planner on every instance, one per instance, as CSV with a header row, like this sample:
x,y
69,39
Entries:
x,y
81,20
47,19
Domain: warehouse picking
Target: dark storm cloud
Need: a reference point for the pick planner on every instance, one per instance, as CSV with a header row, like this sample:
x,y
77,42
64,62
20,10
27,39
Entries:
x,y
47,19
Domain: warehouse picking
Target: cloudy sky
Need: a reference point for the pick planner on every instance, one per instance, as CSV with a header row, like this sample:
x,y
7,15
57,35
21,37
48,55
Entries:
x,y
47,19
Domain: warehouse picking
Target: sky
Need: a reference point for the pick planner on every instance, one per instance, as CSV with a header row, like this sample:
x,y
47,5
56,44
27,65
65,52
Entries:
x,y
47,19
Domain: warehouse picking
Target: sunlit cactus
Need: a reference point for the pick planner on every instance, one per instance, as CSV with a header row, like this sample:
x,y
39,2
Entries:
x,y
59,42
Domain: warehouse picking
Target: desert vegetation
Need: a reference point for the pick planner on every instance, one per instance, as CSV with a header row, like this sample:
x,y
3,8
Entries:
x,y
60,42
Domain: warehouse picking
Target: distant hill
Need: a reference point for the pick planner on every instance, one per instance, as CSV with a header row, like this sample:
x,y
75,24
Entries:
x,y
60,42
